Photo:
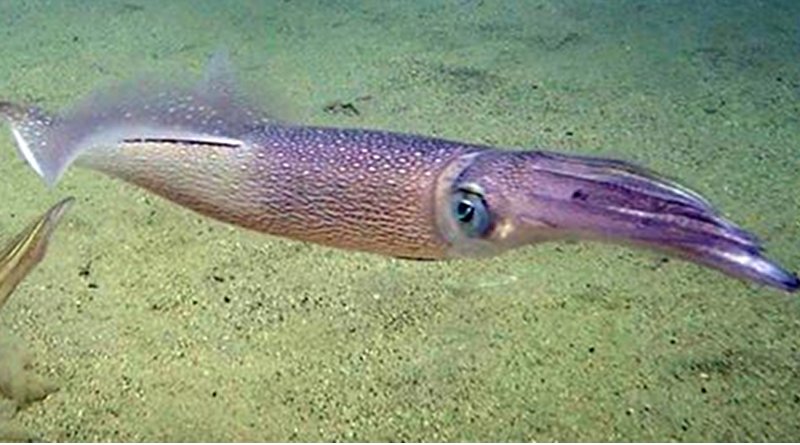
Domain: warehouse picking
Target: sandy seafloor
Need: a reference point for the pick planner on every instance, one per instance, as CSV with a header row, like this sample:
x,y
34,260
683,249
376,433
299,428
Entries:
x,y
158,324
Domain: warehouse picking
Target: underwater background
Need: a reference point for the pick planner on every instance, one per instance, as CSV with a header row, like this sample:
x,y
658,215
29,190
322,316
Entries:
x,y
157,324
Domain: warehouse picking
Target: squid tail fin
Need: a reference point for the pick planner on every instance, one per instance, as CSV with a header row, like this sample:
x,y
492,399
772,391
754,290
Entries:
x,y
31,128
211,112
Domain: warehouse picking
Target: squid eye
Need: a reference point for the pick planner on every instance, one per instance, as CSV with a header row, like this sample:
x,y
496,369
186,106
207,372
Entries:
x,y
470,211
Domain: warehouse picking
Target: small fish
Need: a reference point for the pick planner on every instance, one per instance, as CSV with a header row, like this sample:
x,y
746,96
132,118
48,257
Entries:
x,y
410,196
28,248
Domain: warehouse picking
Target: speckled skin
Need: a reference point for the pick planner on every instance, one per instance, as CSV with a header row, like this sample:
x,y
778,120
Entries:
x,y
356,189
363,190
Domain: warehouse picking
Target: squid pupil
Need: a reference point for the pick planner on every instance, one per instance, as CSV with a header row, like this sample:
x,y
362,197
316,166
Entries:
x,y
465,211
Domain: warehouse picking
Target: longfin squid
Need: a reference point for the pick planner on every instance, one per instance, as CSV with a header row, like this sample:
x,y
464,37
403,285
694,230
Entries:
x,y
211,149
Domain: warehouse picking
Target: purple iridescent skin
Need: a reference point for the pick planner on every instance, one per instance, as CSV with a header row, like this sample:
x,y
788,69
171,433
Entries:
x,y
351,189
393,194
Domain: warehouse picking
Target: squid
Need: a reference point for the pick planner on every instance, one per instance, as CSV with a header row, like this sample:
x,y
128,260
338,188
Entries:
x,y
210,148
